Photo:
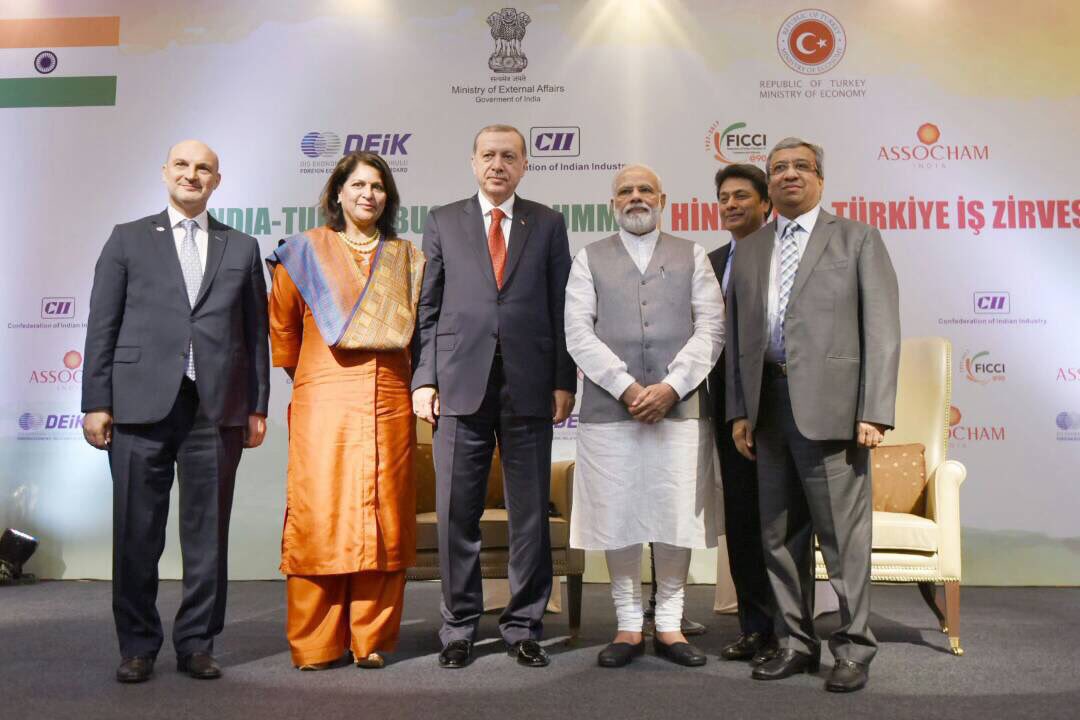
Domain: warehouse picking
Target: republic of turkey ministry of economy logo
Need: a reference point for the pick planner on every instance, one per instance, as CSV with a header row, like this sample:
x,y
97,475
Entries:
x,y
811,42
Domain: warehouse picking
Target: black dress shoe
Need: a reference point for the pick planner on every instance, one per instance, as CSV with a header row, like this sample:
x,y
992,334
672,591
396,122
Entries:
x,y
681,653
847,676
529,653
689,627
746,647
619,654
135,669
766,652
200,665
456,654
787,662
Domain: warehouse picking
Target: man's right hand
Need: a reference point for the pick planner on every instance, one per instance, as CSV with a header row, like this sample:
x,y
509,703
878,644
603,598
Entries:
x,y
97,428
631,394
744,438
425,403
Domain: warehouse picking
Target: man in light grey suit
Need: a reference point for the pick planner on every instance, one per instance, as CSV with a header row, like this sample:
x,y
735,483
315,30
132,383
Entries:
x,y
814,338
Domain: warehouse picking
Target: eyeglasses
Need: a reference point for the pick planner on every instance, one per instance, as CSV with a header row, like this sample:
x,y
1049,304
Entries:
x,y
801,166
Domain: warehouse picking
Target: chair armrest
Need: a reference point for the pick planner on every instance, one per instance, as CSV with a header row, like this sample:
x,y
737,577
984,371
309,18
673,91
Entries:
x,y
562,487
943,507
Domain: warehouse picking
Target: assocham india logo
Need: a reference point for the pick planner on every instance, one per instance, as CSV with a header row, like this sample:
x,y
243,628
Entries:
x,y
962,433
980,369
735,144
811,42
69,374
929,153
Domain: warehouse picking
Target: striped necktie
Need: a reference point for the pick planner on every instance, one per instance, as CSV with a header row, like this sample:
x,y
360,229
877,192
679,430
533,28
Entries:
x,y
789,265
192,268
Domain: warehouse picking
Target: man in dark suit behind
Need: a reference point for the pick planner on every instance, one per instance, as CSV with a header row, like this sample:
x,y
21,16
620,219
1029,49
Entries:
x,y
743,192
177,377
814,350
492,366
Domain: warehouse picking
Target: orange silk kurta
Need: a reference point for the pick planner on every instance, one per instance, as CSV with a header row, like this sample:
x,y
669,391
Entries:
x,y
351,498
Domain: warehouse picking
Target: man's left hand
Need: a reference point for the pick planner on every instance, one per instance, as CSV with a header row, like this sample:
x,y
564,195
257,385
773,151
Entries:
x,y
562,404
652,405
869,435
255,431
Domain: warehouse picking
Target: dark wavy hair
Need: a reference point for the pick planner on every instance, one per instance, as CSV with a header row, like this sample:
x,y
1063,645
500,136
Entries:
x,y
755,175
328,201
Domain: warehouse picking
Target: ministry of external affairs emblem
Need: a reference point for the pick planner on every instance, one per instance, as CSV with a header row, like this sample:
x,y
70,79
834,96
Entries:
x,y
507,29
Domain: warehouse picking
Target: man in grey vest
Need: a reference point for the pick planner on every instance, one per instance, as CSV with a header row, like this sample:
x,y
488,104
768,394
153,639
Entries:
x,y
644,323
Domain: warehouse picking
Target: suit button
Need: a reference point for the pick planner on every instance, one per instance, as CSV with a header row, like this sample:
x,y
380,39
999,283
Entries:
x,y
648,369
646,324
646,346
642,283
644,302
495,335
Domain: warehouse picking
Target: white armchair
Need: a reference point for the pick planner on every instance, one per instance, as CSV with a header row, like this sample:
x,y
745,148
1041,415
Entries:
x,y
923,547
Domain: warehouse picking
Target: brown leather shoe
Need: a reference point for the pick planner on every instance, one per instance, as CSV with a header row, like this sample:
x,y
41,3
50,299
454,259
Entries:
x,y
199,665
135,669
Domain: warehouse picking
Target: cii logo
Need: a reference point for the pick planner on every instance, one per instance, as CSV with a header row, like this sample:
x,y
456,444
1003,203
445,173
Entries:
x,y
555,141
328,144
992,302
57,308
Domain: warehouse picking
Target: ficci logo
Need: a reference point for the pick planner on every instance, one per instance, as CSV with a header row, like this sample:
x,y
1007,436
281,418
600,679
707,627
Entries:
x,y
979,368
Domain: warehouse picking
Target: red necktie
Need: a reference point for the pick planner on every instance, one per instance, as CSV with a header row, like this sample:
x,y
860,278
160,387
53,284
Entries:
x,y
497,245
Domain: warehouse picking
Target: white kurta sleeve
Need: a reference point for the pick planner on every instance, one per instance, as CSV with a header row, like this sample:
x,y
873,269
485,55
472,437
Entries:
x,y
592,356
692,364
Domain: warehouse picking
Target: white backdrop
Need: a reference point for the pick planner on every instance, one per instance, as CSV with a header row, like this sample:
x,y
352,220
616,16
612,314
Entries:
x,y
952,126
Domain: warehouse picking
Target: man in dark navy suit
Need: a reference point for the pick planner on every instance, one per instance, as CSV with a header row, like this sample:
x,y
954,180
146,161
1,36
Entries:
x,y
493,367
177,379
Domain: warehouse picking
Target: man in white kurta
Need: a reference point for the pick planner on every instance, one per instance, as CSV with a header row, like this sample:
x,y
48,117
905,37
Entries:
x,y
644,323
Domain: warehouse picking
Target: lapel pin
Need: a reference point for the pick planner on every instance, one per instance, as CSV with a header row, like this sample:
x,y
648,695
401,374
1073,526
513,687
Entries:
x,y
160,229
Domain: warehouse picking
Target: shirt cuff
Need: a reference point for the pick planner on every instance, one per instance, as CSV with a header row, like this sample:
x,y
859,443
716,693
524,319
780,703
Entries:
x,y
619,385
678,383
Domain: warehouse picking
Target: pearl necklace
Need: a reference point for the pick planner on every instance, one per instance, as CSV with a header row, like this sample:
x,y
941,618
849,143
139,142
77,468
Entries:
x,y
363,246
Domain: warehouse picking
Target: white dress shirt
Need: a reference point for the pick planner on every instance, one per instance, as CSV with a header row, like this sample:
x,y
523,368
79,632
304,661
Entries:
x,y
774,352
201,237
634,482
508,215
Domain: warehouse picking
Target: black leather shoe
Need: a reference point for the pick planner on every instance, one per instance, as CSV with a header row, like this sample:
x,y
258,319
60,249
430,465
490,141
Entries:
x,y
529,653
847,676
681,653
787,662
135,669
689,628
200,665
619,654
744,648
456,654
768,650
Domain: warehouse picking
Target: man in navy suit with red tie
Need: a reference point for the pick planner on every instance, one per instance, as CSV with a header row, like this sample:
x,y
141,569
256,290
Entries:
x,y
493,367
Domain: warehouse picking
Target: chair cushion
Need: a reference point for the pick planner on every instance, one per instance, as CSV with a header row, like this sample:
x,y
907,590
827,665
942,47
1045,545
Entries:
x,y
898,478
904,531
493,531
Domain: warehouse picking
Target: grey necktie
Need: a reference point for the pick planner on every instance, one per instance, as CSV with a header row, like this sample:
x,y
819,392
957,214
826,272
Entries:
x,y
789,265
192,268
727,270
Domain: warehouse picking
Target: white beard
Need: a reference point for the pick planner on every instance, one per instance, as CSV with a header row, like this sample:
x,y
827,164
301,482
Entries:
x,y
638,223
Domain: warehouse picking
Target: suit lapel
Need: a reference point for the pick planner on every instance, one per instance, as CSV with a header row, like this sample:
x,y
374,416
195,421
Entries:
x,y
815,246
217,238
163,246
764,256
520,229
472,222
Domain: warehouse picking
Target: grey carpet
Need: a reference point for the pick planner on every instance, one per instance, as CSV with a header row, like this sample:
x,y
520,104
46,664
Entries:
x,y
58,655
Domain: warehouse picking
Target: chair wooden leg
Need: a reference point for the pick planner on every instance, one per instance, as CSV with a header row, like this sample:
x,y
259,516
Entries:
x,y
573,601
952,614
928,590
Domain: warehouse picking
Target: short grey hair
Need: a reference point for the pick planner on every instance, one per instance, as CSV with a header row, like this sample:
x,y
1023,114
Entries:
x,y
500,128
790,143
635,166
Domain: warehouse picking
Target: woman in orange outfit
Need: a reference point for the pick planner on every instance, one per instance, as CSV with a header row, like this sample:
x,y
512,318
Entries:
x,y
342,312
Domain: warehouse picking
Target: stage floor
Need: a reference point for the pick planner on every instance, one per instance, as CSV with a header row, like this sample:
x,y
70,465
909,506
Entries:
x,y
58,654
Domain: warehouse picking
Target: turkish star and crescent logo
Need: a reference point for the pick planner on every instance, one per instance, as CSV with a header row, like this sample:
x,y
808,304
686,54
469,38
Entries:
x,y
811,42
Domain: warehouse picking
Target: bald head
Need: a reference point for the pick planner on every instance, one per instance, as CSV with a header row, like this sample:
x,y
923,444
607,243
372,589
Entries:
x,y
190,174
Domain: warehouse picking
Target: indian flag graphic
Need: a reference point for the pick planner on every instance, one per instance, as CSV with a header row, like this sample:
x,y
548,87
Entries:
x,y
58,62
